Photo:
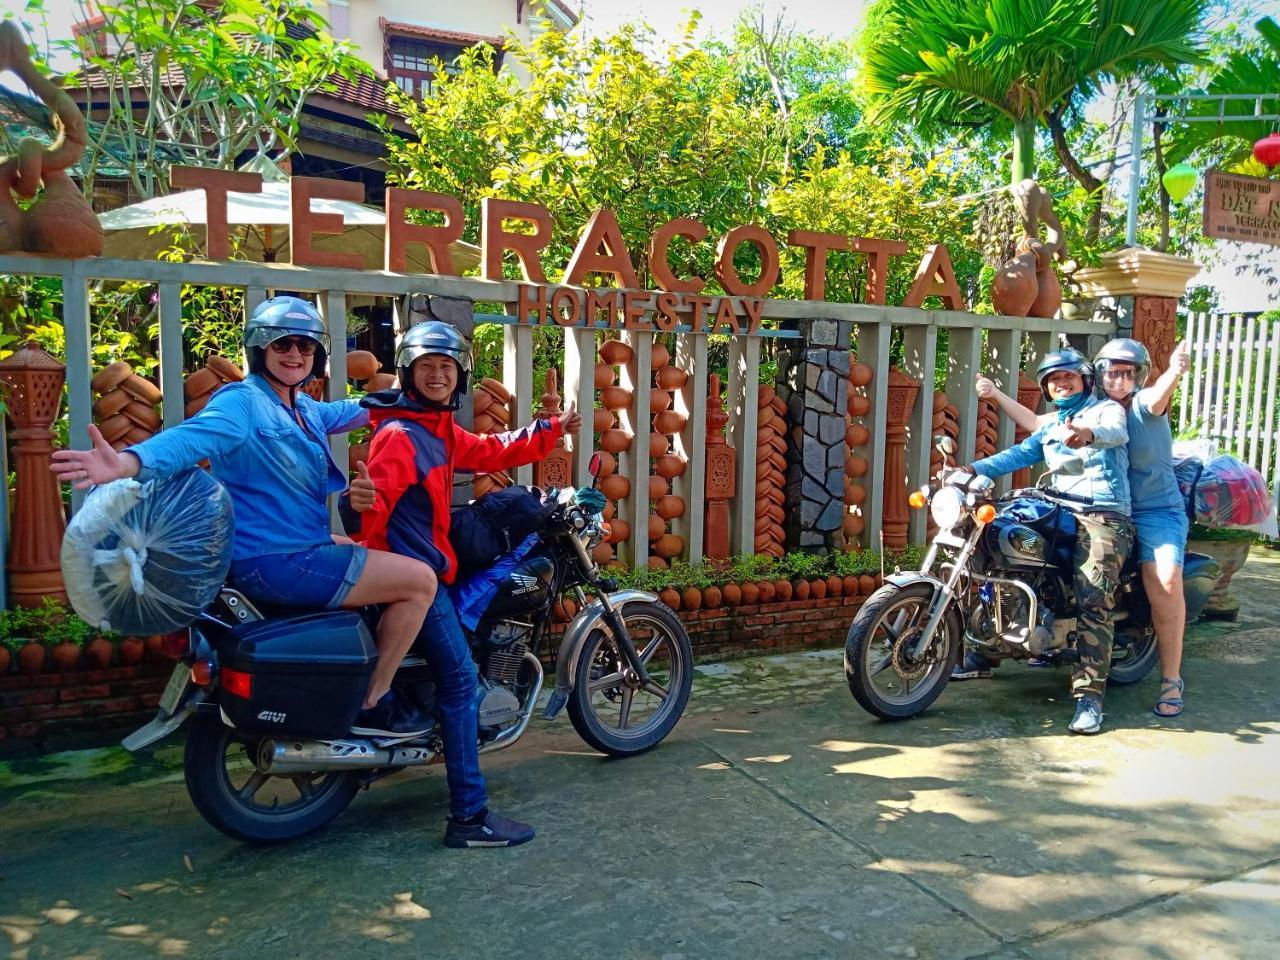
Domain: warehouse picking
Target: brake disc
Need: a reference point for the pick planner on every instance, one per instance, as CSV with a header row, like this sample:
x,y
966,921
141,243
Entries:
x,y
903,665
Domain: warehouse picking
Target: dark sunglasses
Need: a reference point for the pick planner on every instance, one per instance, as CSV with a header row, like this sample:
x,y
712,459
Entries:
x,y
306,346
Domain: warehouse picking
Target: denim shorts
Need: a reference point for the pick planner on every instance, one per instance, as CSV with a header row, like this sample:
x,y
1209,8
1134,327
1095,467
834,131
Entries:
x,y
319,576
1162,535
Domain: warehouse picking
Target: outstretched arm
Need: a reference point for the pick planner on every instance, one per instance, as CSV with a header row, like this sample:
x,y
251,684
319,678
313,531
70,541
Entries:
x,y
1157,396
498,451
1026,419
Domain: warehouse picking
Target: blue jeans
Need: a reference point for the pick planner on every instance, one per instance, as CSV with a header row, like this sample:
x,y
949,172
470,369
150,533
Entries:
x,y
320,576
456,682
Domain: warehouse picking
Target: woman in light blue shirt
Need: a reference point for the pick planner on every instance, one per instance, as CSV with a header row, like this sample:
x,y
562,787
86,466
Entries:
x,y
266,442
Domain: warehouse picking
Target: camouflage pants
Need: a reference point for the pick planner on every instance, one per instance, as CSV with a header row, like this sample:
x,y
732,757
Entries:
x,y
1101,549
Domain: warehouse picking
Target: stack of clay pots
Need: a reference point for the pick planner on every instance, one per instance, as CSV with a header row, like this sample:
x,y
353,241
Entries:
x,y
125,410
987,433
201,385
771,469
857,436
611,441
364,366
491,413
667,422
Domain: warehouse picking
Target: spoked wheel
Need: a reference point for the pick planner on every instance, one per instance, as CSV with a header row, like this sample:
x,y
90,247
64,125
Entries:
x,y
883,675
235,797
1133,659
610,707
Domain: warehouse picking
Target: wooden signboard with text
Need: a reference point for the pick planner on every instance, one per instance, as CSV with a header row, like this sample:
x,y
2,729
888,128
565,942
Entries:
x,y
1245,209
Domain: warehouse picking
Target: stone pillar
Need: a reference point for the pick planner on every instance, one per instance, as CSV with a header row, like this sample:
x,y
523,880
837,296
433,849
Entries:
x,y
813,381
721,478
902,400
1141,289
33,382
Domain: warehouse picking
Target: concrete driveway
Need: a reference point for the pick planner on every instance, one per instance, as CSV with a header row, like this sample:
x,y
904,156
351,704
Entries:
x,y
778,821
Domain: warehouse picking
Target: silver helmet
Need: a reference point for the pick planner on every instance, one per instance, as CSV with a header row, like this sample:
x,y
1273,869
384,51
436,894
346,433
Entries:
x,y
1125,350
434,336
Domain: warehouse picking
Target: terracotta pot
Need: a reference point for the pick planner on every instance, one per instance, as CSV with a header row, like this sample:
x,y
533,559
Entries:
x,y
615,398
381,381
602,553
691,599
731,594
65,657
6,660
603,375
657,526
610,511
615,441
818,589
860,374
154,645
671,378
668,545
615,352
855,494
608,464
656,563
615,487
602,419
619,530
851,586
660,355
854,525
143,389
712,596
669,507
658,487
669,465
670,597
98,653
859,406
361,364
111,376
866,585
564,610
658,445
669,422
659,400
199,383
750,593
142,415
766,591
131,651
855,467
856,435
782,590
31,658
800,589
835,586
224,368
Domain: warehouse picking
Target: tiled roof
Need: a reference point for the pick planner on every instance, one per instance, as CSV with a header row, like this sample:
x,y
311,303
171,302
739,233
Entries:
x,y
368,91
433,33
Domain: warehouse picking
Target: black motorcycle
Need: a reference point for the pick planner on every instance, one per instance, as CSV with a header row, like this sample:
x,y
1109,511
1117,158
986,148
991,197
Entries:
x,y
998,577
273,693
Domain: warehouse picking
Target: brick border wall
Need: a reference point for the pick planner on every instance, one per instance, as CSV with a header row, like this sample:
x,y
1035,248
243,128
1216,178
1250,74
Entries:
x,y
91,707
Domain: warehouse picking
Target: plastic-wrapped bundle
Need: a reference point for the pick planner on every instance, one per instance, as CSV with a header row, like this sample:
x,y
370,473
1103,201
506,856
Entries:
x,y
1223,492
143,558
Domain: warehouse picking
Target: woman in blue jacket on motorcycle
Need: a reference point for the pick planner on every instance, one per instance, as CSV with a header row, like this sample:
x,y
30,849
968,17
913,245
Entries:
x,y
266,443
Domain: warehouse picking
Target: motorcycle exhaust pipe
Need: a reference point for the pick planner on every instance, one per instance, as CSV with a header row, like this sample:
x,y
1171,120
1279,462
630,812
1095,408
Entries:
x,y
286,757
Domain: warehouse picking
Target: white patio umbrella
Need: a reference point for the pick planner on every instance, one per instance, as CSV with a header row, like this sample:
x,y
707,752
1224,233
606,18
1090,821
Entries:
x,y
260,224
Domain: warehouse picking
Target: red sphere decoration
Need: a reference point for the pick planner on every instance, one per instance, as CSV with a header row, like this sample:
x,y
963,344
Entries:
x,y
1267,150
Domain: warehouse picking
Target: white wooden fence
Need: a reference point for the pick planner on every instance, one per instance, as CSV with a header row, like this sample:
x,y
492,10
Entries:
x,y
1230,395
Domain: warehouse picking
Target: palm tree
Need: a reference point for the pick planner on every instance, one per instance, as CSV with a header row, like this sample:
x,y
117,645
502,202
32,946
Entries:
x,y
969,62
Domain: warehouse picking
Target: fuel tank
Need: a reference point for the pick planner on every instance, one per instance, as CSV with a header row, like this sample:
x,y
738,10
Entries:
x,y
526,588
1031,533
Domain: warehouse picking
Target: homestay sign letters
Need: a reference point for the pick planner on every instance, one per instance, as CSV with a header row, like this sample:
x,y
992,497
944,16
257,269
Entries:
x,y
600,251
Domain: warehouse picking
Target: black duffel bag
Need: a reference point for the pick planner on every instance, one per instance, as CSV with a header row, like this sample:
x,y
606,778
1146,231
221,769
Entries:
x,y
497,523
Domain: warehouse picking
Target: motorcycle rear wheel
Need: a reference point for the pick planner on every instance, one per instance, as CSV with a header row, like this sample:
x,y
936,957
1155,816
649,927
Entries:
x,y
884,621
235,798
606,695
1141,655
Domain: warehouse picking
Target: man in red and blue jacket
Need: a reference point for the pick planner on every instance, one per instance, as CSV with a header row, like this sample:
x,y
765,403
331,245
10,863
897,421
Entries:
x,y
416,448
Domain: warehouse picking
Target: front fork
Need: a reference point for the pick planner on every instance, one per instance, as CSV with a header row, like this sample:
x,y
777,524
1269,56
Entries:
x,y
611,615
943,597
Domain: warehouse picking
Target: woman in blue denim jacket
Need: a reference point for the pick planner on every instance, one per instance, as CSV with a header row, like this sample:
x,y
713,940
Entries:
x,y
266,443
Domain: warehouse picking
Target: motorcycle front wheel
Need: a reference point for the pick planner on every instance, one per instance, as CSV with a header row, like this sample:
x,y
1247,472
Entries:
x,y
233,796
883,677
610,708
1132,661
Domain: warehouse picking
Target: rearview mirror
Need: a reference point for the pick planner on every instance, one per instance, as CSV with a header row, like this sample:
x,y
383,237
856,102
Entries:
x,y
945,444
593,467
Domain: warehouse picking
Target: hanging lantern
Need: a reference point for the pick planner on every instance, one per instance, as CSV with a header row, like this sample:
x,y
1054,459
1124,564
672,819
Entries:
x,y
1267,150
1178,181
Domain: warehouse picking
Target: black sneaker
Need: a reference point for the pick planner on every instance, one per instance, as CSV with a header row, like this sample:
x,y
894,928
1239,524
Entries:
x,y
494,830
974,666
392,716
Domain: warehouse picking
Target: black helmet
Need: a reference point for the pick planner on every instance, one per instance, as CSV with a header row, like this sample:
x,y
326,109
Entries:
x,y
1072,361
434,336
1125,350
284,317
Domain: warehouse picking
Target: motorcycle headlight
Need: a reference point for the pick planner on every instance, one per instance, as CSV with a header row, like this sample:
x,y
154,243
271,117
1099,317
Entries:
x,y
947,507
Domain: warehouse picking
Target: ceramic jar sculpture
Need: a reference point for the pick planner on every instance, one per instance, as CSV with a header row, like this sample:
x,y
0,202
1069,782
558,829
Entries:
x,y
855,467
902,398
33,391
490,414
125,410
1026,285
201,385
612,440
771,466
